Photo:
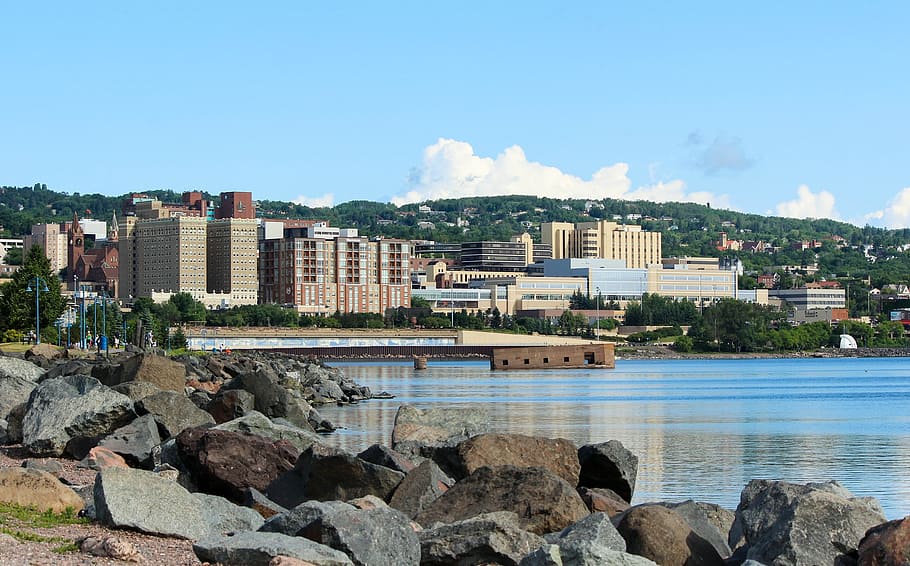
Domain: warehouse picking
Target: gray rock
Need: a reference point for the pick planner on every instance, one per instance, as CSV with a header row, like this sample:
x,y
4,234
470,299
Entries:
x,y
225,517
272,398
370,537
50,466
167,455
70,414
141,500
14,423
4,432
173,412
325,473
491,538
135,441
301,520
610,465
590,540
19,369
791,524
256,423
416,428
14,389
258,549
420,487
546,555
69,367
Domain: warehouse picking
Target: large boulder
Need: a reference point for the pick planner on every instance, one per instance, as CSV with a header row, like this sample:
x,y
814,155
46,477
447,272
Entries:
x,y
887,544
135,441
417,431
543,501
325,473
158,370
259,549
558,455
15,387
39,489
173,412
225,463
420,488
70,414
370,537
272,399
662,535
816,523
20,369
610,465
256,423
490,538
141,500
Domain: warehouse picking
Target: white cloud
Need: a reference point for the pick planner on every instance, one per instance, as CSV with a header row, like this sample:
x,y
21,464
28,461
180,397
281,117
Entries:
x,y
723,153
451,169
809,205
324,201
896,213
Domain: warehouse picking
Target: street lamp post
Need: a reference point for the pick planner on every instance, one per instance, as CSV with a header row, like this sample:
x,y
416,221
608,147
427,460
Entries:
x,y
40,286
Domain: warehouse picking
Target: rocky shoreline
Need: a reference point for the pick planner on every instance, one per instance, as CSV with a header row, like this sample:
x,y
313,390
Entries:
x,y
222,459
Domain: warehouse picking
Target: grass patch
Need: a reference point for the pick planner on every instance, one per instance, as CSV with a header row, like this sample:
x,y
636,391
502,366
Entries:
x,y
15,521
12,347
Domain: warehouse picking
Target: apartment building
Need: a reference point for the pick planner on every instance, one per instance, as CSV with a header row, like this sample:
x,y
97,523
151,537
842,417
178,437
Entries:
x,y
181,249
319,275
603,240
53,240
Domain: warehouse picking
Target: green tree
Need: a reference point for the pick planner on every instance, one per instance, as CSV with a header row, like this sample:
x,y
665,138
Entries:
x,y
17,305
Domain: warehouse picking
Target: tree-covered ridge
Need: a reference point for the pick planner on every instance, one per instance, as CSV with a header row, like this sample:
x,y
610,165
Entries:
x,y
687,228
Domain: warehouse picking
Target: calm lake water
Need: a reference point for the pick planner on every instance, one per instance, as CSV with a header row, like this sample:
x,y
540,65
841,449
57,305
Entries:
x,y
701,429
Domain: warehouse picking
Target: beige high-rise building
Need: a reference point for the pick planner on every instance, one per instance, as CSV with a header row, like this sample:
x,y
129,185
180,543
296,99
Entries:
x,y
52,240
232,259
603,240
169,256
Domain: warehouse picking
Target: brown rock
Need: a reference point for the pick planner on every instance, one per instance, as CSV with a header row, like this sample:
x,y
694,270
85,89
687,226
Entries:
x,y
231,404
162,372
544,502
602,500
34,488
44,350
110,547
662,535
887,544
207,386
101,458
558,455
225,463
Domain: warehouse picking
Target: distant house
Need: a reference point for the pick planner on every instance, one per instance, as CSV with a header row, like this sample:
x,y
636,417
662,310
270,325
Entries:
x,y
768,280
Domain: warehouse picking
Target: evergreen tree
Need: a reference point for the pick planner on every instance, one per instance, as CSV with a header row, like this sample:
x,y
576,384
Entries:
x,y
17,305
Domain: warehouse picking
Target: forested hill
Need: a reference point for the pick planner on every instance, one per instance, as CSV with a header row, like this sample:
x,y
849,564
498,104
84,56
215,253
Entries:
x,y
688,229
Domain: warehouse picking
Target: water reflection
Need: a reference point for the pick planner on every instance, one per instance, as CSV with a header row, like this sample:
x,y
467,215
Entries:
x,y
701,429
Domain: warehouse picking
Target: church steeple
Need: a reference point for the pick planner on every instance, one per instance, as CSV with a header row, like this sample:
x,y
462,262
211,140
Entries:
x,y
113,231
76,246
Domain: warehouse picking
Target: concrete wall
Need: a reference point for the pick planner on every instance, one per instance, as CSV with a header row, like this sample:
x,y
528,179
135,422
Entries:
x,y
543,357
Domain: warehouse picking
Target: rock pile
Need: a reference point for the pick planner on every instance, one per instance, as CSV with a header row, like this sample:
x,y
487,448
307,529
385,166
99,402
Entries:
x,y
262,486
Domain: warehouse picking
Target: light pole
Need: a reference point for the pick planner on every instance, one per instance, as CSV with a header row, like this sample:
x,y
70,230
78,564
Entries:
x,y
40,286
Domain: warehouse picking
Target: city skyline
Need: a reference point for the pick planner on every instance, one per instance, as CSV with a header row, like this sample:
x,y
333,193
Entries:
x,y
795,110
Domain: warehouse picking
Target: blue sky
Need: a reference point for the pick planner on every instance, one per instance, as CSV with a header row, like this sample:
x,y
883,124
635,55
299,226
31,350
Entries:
x,y
798,109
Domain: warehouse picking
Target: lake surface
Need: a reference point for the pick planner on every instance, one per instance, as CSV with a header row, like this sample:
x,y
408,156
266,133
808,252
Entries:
x,y
700,428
